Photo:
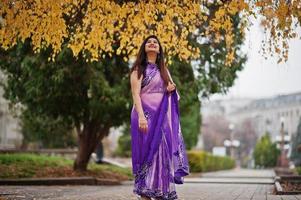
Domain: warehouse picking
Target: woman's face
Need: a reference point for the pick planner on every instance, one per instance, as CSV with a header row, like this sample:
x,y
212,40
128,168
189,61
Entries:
x,y
152,45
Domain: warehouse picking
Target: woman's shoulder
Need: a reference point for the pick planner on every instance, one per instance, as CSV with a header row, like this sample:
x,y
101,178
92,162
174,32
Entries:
x,y
134,72
135,68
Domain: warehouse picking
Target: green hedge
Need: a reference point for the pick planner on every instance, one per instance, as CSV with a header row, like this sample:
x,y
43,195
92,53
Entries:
x,y
200,161
298,170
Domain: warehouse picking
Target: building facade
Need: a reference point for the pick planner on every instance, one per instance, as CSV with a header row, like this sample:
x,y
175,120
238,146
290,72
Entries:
x,y
268,113
10,132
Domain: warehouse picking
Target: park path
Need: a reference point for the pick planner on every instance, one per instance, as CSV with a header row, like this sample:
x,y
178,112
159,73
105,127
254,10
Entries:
x,y
199,188
237,175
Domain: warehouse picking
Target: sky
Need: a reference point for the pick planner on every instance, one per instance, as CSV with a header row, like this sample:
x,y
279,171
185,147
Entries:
x,y
262,78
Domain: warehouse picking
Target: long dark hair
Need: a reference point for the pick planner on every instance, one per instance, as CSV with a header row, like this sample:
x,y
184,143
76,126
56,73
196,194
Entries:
x,y
141,61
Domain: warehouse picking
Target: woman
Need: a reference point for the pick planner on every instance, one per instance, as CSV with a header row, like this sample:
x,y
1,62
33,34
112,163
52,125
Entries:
x,y
158,151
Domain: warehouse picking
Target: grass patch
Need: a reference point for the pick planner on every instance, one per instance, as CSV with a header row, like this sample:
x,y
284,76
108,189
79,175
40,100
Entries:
x,y
111,168
33,159
25,165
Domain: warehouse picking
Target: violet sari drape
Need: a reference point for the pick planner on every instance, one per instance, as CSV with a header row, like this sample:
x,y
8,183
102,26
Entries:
x,y
158,157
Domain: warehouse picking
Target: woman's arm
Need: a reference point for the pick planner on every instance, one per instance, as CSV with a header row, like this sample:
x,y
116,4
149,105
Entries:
x,y
169,75
135,89
173,84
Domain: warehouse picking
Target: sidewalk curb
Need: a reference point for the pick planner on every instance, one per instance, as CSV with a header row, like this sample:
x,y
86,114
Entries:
x,y
60,181
229,177
221,182
229,180
279,189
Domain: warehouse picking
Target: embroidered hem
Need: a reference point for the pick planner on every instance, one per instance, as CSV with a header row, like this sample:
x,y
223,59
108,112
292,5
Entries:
x,y
156,194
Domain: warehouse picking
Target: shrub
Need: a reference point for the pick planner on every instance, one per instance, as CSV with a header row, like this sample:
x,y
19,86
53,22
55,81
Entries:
x,y
265,153
298,170
200,161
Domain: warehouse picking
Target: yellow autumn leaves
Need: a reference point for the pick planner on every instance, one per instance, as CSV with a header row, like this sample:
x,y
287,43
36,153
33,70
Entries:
x,y
99,27
39,20
280,19
46,23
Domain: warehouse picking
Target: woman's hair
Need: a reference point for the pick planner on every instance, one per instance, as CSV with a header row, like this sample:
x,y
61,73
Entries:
x,y
141,61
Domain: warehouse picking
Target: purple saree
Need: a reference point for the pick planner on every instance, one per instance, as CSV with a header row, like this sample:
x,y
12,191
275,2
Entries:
x,y
158,157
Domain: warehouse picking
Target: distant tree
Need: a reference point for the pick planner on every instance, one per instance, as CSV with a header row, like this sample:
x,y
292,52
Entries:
x,y
265,153
246,134
215,130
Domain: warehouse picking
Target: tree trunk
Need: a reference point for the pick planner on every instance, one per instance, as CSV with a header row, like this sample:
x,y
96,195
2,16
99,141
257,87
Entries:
x,y
84,152
88,139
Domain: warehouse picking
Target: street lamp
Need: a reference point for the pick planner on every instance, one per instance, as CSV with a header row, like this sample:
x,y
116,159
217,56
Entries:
x,y
282,160
231,143
282,133
231,127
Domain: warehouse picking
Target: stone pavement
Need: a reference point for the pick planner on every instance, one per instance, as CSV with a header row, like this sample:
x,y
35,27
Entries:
x,y
188,191
241,172
237,175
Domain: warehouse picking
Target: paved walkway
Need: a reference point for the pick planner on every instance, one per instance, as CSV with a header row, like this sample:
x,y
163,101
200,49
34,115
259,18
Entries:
x,y
188,191
241,172
246,176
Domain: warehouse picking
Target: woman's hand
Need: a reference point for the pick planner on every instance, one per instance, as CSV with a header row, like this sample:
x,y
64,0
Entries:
x,y
142,123
171,87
